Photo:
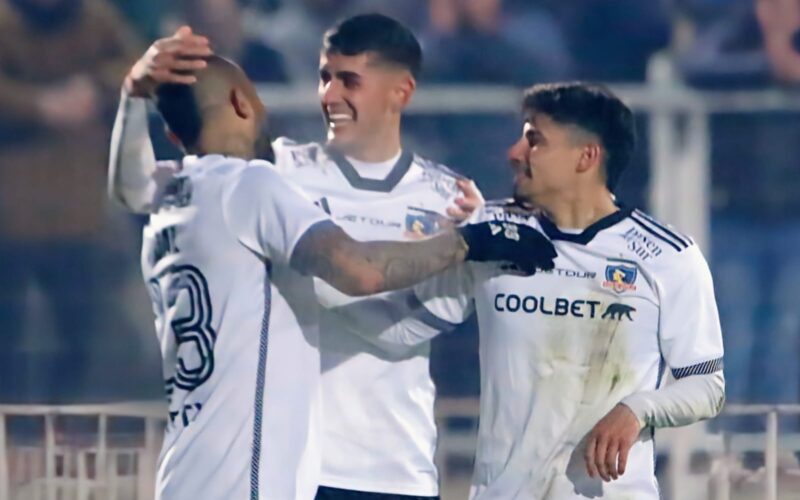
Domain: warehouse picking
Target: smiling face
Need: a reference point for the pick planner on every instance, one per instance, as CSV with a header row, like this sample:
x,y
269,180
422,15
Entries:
x,y
361,98
547,160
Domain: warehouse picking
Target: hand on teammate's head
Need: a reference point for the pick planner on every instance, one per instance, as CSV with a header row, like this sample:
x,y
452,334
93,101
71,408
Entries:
x,y
499,241
174,59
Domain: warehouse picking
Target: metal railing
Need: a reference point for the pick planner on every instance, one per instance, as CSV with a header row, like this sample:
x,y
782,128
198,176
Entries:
x,y
105,480
92,470
680,444
680,170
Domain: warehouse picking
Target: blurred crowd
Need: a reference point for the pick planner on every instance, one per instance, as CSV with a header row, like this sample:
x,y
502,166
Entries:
x,y
73,317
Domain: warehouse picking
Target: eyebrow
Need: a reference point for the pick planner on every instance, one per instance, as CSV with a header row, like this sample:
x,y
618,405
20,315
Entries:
x,y
340,75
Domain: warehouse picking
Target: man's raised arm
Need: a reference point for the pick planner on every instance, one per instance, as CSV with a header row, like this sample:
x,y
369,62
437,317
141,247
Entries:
x,y
134,176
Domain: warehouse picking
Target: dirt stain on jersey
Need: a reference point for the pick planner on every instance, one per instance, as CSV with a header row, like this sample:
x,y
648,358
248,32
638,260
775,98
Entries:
x,y
601,376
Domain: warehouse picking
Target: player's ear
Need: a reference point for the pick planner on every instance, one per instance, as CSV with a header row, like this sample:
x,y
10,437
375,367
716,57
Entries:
x,y
591,157
404,89
241,105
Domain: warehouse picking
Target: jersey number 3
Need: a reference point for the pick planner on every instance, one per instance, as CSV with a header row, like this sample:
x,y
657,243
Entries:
x,y
189,299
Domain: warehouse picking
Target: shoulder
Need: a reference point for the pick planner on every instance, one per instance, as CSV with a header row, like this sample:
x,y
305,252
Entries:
x,y
250,183
662,248
652,240
441,178
291,154
667,235
436,169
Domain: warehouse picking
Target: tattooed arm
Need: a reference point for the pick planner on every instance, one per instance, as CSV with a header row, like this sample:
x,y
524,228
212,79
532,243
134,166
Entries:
x,y
274,220
365,268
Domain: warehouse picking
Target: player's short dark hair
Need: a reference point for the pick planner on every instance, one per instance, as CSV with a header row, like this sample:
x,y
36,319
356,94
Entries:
x,y
595,109
179,108
387,38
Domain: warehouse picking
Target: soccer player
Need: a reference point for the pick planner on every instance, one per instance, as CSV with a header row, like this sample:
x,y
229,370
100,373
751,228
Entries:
x,y
572,360
227,257
379,432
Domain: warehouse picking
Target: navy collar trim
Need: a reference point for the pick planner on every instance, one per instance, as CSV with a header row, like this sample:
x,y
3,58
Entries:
x,y
588,234
386,185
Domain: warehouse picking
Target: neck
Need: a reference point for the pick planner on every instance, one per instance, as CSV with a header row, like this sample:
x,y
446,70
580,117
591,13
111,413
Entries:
x,y
229,144
375,153
380,146
579,211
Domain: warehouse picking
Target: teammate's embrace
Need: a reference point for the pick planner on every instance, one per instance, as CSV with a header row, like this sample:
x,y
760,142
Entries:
x,y
227,257
379,431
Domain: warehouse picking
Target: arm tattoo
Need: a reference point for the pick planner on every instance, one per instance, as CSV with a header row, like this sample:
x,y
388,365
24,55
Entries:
x,y
360,268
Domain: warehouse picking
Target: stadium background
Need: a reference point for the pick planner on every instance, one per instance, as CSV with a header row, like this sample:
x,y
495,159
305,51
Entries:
x,y
719,123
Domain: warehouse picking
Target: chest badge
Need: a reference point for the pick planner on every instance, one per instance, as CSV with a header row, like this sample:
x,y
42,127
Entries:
x,y
421,223
620,277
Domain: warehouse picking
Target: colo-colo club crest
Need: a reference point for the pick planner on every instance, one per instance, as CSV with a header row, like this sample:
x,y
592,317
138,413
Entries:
x,y
620,277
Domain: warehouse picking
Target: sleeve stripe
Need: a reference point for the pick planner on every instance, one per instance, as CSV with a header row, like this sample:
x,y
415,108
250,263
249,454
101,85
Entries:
x,y
703,368
655,233
685,242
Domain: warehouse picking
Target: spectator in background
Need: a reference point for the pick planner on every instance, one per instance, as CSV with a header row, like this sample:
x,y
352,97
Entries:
x,y
756,207
296,28
612,40
222,22
61,63
145,16
481,41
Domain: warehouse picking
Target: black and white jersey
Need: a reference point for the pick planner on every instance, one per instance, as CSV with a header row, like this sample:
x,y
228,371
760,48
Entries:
x,y
628,297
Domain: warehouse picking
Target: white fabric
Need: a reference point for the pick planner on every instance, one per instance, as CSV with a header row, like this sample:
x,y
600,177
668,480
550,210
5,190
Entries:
x,y
680,403
379,432
238,334
132,162
559,349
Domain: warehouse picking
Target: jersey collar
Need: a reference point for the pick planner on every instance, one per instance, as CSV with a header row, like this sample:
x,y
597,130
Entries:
x,y
585,236
382,185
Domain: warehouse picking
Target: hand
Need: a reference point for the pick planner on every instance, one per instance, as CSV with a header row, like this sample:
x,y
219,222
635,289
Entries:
x,y
470,200
609,443
175,59
519,244
72,103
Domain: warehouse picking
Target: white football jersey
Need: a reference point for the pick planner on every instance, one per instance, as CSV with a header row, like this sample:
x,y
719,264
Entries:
x,y
238,333
561,348
379,432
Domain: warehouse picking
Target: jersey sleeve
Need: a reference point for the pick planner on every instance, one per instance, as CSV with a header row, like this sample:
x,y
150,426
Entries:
x,y
448,296
266,213
689,328
135,179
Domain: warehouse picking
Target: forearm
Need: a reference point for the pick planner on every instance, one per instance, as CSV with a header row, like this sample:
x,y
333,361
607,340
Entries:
x,y
367,268
396,322
132,162
683,402
403,264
